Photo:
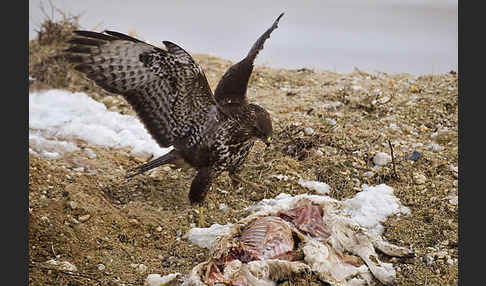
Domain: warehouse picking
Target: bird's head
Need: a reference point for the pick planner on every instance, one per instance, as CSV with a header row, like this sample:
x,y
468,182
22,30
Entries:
x,y
262,126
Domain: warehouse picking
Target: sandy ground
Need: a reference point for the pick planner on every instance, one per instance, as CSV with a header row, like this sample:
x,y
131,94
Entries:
x,y
328,127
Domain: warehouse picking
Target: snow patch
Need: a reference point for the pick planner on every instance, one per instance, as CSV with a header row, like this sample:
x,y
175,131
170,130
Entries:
x,y
319,187
373,205
205,237
57,118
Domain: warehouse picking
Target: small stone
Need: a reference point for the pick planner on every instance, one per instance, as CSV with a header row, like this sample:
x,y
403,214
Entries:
x,y
308,131
72,205
73,220
65,265
429,259
296,124
148,235
133,221
454,200
84,218
142,268
223,207
166,168
419,179
434,147
91,154
159,228
381,159
101,267
455,171
331,121
368,174
393,126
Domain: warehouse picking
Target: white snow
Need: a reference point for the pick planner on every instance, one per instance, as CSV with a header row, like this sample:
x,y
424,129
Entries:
x,y
373,205
205,237
157,280
319,187
368,208
58,117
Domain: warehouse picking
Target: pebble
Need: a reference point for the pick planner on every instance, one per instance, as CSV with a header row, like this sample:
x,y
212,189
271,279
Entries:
x,y
332,105
393,126
455,171
381,159
91,154
223,207
72,205
308,131
142,268
454,200
166,168
84,218
331,121
65,265
429,259
133,221
443,135
101,267
434,147
419,179
159,228
368,174
73,220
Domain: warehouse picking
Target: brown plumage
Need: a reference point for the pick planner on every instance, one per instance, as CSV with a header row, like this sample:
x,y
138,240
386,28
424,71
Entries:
x,y
170,93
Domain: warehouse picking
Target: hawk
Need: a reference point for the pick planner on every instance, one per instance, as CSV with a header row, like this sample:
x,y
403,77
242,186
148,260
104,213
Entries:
x,y
169,92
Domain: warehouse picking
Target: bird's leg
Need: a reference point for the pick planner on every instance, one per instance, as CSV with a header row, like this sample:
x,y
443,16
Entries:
x,y
199,187
201,216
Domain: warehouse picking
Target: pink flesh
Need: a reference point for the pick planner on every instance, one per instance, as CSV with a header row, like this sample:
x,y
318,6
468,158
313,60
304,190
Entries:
x,y
307,218
266,238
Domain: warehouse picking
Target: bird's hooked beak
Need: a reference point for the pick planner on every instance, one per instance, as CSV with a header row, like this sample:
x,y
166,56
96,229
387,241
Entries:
x,y
268,141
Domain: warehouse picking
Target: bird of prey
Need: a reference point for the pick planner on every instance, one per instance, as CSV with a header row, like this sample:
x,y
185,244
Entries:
x,y
169,92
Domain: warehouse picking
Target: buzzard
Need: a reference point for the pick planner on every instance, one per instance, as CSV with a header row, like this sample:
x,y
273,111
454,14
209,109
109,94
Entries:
x,y
168,90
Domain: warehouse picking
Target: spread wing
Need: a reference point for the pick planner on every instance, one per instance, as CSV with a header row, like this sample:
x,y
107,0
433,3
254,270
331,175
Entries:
x,y
166,88
232,86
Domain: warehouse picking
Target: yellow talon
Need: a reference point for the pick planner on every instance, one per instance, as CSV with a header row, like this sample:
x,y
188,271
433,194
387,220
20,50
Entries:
x,y
201,216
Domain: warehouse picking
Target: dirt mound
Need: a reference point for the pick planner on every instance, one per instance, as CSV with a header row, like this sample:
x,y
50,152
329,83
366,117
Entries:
x,y
328,127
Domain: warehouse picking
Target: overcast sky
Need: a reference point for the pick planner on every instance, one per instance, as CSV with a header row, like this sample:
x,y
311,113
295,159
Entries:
x,y
393,36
